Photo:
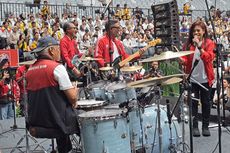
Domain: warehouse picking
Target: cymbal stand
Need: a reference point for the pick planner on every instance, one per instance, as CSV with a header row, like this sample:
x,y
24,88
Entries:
x,y
172,147
88,73
157,92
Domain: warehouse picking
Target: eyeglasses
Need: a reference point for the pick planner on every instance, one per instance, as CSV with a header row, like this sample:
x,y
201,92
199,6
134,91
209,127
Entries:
x,y
72,28
115,27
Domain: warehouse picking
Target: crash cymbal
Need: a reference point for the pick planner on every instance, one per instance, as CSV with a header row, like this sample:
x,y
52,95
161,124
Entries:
x,y
164,80
107,68
131,68
163,83
85,59
27,62
167,55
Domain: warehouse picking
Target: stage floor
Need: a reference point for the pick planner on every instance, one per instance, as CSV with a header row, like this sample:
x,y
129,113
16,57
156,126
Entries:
x,y
200,144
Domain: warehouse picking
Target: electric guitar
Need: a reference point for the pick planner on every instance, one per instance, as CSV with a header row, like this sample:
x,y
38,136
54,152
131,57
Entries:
x,y
139,52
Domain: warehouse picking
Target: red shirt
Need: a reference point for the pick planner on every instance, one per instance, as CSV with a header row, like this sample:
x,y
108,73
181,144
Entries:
x,y
4,91
207,56
19,74
102,49
69,49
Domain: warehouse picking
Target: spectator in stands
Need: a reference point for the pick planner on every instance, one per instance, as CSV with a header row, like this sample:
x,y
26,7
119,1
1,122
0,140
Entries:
x,y
154,71
4,34
13,38
125,13
45,11
203,72
127,41
118,11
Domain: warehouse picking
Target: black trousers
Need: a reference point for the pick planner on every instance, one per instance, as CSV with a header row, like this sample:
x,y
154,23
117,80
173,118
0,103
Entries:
x,y
64,144
204,96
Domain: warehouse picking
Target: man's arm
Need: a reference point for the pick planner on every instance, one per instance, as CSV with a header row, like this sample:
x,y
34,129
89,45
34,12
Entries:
x,y
65,85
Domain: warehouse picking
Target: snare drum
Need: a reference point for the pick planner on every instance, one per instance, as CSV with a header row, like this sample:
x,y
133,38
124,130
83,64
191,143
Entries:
x,y
90,104
104,131
147,117
97,90
118,92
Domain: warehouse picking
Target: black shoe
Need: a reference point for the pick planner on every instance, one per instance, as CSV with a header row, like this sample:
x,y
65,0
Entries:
x,y
196,132
205,132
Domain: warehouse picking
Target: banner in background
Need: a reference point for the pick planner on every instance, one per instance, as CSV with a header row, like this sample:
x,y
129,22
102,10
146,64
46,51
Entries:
x,y
11,55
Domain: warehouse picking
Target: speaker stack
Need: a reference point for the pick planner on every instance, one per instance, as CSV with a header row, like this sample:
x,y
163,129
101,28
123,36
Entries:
x,y
166,25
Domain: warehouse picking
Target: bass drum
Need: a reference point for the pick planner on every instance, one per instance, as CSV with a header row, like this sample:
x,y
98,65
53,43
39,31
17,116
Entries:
x,y
97,90
104,131
147,117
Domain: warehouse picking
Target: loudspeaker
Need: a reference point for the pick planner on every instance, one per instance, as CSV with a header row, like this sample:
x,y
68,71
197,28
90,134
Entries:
x,y
166,24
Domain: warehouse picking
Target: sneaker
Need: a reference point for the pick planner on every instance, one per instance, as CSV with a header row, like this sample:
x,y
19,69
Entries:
x,y
196,132
205,132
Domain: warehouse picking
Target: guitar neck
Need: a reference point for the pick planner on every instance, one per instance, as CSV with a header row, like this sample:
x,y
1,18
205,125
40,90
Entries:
x,y
136,54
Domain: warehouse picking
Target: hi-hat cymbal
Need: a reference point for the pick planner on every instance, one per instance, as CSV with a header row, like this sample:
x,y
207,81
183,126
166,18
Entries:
x,y
27,62
107,68
163,80
85,59
167,55
131,68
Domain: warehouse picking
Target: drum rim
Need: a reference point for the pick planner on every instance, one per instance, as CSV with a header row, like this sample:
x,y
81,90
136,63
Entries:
x,y
103,102
100,118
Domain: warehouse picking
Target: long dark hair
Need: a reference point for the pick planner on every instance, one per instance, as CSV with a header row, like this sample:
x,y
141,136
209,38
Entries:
x,y
190,36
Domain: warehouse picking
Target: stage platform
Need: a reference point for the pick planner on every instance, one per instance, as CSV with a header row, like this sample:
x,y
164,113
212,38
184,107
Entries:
x,y
10,139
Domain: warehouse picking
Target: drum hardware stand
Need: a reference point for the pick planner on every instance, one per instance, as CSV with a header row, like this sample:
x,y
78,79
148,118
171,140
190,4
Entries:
x,y
188,87
157,92
218,61
171,147
27,135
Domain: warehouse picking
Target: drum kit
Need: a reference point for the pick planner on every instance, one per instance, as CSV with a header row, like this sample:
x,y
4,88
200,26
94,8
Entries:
x,y
113,120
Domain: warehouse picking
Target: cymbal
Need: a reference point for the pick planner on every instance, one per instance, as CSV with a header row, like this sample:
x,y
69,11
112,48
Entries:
x,y
131,68
163,80
167,55
85,59
107,68
27,62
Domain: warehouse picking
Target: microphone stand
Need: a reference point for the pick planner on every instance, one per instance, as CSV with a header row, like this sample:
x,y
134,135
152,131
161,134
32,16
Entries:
x,y
187,85
218,50
107,8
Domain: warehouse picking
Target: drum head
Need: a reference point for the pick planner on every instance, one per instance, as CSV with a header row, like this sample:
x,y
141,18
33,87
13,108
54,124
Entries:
x,y
97,84
116,86
102,114
90,103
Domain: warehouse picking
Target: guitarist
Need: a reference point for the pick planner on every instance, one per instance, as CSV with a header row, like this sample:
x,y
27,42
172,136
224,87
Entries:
x,y
68,47
108,47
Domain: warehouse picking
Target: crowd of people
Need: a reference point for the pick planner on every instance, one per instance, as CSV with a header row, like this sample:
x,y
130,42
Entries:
x,y
41,34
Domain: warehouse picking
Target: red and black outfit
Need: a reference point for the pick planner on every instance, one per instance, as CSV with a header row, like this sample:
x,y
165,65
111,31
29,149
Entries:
x,y
200,93
49,112
103,47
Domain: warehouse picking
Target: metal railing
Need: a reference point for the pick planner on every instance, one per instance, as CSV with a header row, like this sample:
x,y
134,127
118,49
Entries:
x,y
26,8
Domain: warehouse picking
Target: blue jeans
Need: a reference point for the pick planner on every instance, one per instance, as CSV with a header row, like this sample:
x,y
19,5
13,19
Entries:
x,y
6,111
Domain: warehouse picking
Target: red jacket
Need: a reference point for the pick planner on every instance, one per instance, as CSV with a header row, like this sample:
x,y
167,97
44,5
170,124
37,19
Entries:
x,y
207,57
102,50
4,91
19,77
68,49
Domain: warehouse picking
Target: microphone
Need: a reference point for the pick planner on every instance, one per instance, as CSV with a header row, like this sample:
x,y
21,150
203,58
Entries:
x,y
196,62
168,111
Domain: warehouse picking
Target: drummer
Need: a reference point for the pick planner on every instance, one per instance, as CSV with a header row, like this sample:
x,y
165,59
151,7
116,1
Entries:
x,y
154,71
